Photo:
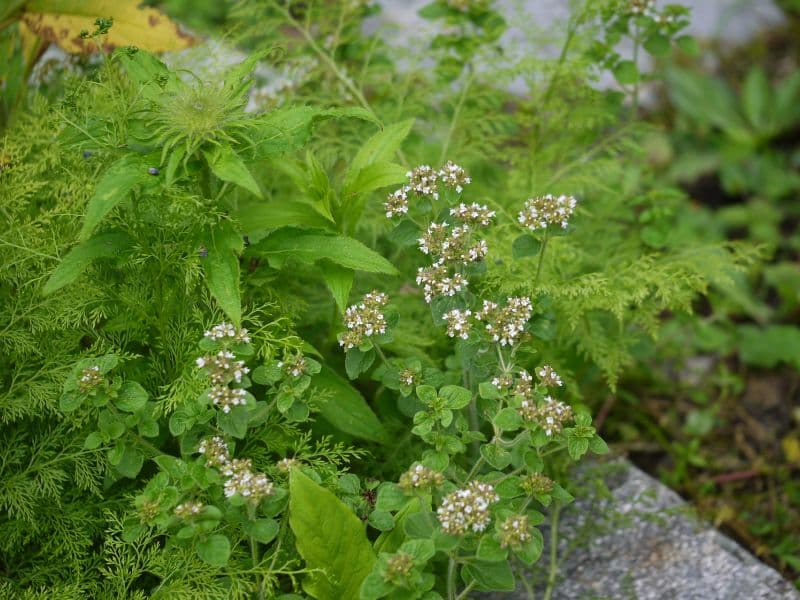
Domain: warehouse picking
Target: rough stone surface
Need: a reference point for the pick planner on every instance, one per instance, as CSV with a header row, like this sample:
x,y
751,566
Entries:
x,y
642,542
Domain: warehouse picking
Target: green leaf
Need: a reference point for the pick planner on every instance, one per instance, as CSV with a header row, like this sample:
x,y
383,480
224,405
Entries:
x,y
577,447
756,95
267,374
769,346
311,247
381,520
688,44
329,537
455,396
262,530
375,176
525,245
105,245
340,281
221,267
626,72
420,524
131,397
380,147
215,550
657,45
598,445
490,576
131,461
113,187
530,552
488,391
93,440
427,394
390,497
235,422
357,362
258,217
489,550
390,541
346,408
496,456
226,164
70,401
508,419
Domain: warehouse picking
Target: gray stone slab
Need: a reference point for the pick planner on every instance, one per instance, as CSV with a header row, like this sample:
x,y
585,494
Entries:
x,y
639,540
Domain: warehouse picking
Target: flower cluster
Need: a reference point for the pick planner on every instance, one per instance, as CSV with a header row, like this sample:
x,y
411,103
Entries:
x,y
515,531
549,377
223,367
467,509
504,381
474,214
227,332
284,465
454,176
295,366
641,7
398,568
420,477
436,281
188,509
396,203
226,398
506,324
458,324
91,378
423,181
524,385
541,212
435,239
245,483
550,414
364,320
408,377
215,450
536,483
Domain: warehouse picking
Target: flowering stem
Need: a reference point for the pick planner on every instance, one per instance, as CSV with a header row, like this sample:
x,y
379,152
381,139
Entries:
x,y
541,259
456,113
553,570
380,353
466,590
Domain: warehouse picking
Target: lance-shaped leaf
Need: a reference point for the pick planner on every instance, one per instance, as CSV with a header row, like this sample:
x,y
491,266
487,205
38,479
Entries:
x,y
346,408
76,261
330,538
228,166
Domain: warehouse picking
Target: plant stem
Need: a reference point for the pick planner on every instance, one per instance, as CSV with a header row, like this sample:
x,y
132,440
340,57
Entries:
x,y
466,590
553,570
541,259
451,579
251,515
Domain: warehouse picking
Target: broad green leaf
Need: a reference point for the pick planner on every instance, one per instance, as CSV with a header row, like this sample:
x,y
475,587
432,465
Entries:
x,y
215,550
346,408
105,245
221,267
61,22
390,497
151,75
131,461
455,396
262,530
489,550
340,281
114,186
577,447
657,45
525,245
767,347
258,217
131,397
489,576
508,419
311,247
228,166
376,176
357,362
379,148
329,537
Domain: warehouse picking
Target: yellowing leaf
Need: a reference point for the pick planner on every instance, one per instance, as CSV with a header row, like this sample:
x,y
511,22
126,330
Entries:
x,y
791,449
61,22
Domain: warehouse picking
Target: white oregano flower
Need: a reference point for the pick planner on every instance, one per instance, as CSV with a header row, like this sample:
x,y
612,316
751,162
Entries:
x,y
544,211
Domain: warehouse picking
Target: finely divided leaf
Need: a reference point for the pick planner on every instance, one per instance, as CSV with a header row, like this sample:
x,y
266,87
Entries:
x,y
329,537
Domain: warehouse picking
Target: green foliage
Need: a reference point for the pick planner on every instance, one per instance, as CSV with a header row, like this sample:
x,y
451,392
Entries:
x,y
177,463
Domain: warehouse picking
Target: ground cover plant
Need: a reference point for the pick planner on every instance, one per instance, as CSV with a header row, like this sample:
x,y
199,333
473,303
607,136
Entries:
x,y
325,341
